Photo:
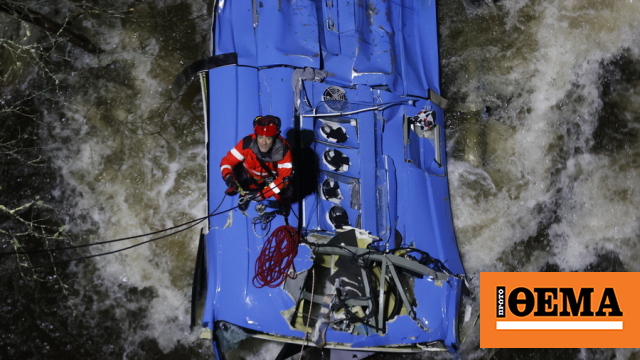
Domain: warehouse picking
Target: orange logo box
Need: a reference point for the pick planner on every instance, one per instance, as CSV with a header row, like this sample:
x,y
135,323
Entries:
x,y
559,310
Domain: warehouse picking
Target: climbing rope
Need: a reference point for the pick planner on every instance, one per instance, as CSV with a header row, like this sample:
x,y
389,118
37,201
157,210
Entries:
x,y
170,232
276,257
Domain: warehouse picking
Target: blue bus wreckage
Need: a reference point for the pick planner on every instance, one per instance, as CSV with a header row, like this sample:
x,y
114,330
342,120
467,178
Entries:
x,y
366,260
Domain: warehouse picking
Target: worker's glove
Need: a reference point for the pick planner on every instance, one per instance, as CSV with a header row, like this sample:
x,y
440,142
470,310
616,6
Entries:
x,y
232,185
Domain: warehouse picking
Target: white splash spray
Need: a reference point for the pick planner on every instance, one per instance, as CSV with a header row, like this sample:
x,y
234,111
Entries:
x,y
554,99
133,162
538,194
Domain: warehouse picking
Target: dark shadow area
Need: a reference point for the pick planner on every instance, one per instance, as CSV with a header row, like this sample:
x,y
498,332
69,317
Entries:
x,y
617,121
305,163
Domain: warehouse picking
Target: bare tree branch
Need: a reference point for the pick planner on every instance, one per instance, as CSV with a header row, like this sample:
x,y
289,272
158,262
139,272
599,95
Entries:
x,y
61,30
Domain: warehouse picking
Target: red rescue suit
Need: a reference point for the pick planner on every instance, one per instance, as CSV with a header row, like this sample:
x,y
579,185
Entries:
x,y
279,160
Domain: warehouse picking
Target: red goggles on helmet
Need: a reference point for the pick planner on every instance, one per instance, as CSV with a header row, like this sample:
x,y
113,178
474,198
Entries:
x,y
267,125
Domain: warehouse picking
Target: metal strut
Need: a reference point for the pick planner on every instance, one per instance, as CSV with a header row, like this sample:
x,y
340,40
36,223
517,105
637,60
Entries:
x,y
388,262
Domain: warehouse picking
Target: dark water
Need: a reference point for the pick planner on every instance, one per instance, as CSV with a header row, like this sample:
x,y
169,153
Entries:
x,y
543,140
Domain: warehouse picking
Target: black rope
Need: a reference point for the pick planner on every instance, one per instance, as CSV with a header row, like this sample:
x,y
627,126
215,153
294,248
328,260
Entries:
x,y
197,221
193,223
29,252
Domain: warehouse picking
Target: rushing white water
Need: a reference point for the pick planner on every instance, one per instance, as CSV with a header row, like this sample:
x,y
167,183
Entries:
x,y
545,180
545,138
132,159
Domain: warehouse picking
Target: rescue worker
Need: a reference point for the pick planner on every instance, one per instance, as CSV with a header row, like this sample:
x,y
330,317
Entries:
x,y
261,163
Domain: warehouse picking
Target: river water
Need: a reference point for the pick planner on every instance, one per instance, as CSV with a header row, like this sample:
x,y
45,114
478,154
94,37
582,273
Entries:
x,y
544,152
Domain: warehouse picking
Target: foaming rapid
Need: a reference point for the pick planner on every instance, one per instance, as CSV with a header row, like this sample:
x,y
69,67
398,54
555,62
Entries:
x,y
132,158
544,135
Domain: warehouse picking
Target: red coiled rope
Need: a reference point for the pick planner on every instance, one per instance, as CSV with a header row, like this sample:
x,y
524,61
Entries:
x,y
276,257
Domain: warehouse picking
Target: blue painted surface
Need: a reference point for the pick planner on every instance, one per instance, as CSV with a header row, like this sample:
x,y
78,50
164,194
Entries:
x,y
380,52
